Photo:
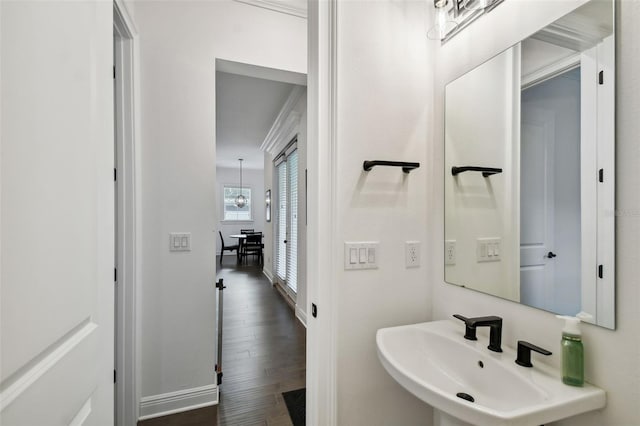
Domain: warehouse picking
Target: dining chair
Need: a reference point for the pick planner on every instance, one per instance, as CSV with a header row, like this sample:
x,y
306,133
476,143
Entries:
x,y
253,246
241,241
232,248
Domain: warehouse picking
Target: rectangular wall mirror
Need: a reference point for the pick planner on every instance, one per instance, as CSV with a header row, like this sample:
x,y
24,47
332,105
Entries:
x,y
529,170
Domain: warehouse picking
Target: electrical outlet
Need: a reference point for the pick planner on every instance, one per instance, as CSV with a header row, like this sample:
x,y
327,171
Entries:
x,y
450,252
412,254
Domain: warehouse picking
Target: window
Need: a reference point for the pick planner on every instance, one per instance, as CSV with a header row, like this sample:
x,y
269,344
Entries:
x,y
287,220
233,212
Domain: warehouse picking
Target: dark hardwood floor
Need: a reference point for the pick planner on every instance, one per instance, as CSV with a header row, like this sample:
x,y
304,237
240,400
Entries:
x,y
263,355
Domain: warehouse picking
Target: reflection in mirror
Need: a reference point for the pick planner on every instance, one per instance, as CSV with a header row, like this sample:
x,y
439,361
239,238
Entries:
x,y
540,232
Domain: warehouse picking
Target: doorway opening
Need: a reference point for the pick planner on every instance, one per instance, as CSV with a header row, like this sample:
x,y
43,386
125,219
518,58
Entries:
x,y
261,119
550,194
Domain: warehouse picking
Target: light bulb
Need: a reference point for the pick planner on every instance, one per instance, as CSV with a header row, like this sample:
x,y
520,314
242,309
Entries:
x,y
443,24
477,4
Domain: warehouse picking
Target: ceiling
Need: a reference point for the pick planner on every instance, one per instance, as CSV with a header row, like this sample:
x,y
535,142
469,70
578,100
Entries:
x,y
246,108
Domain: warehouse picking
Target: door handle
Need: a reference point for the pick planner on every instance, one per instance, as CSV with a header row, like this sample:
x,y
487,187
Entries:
x,y
551,255
285,241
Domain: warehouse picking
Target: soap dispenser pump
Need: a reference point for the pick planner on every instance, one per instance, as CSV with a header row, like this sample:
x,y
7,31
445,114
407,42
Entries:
x,y
572,352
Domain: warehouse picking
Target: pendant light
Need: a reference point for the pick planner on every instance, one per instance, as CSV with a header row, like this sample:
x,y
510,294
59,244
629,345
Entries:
x,y
241,200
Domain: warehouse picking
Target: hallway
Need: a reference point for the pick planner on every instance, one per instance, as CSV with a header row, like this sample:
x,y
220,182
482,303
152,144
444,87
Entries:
x,y
263,349
263,355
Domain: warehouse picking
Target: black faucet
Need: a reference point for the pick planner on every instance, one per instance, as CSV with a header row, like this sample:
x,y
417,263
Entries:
x,y
493,322
524,353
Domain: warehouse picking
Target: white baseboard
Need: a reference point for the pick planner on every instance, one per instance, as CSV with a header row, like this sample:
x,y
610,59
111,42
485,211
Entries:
x,y
302,316
269,275
177,402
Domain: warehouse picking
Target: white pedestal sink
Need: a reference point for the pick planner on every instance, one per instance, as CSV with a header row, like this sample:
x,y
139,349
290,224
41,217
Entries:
x,y
433,361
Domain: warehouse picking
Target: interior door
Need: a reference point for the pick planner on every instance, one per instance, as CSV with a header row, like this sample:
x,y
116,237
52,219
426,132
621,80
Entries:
x,y
537,207
56,326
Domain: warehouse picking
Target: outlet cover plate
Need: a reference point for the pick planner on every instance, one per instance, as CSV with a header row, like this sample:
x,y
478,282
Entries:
x,y
412,254
450,252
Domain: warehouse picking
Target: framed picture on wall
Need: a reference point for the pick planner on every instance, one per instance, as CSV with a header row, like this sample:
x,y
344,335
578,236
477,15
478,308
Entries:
x,y
267,205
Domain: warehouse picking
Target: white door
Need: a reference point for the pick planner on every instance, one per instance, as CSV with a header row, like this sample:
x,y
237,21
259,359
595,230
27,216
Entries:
x,y
537,207
57,210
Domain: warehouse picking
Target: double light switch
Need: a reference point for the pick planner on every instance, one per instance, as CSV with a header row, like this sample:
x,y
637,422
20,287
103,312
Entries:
x,y
488,249
180,241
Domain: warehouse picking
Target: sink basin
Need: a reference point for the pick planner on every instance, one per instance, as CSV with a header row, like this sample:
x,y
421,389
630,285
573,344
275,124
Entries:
x,y
433,361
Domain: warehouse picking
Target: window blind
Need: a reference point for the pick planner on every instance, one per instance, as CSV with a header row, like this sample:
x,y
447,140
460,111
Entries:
x,y
281,246
292,241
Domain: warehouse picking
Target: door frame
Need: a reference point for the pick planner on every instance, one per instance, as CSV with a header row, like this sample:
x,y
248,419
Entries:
x,y
323,261
126,74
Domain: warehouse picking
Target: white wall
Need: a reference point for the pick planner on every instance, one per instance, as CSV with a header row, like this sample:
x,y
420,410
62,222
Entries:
x,y
301,296
269,227
383,113
484,207
611,356
179,43
251,178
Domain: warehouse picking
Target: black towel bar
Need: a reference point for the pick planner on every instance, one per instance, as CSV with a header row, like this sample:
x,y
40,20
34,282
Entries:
x,y
486,171
406,167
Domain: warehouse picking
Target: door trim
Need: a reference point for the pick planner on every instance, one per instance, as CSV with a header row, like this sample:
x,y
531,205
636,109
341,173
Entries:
x,y
323,260
127,360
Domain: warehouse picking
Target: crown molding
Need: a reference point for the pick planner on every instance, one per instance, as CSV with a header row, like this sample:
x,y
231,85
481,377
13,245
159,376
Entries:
x,y
289,7
286,124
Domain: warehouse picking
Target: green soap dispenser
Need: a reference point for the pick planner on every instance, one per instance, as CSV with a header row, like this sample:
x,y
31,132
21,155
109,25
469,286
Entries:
x,y
572,352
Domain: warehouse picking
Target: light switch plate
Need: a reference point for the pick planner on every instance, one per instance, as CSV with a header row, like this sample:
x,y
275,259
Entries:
x,y
180,241
361,255
488,249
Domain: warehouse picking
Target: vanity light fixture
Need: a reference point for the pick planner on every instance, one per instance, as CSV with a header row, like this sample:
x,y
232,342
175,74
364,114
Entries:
x,y
452,16
443,23
478,4
241,200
